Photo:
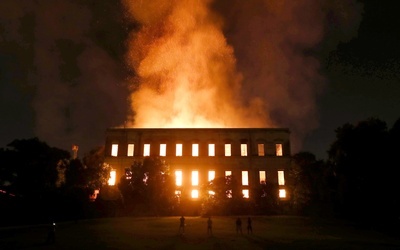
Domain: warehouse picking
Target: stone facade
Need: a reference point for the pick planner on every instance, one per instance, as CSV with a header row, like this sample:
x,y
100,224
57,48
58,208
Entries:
x,y
250,154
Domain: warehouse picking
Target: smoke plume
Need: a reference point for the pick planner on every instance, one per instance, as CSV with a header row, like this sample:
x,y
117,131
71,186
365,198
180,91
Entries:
x,y
233,63
74,83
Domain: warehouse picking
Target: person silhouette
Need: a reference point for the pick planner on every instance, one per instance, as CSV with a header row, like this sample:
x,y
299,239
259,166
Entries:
x,y
249,226
51,234
239,225
209,226
182,225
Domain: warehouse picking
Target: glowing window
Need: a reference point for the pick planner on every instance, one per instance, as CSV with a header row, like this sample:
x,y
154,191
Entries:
x,y
211,193
131,148
245,193
211,149
195,193
211,175
179,149
178,193
261,151
281,177
245,178
229,193
228,173
282,193
263,177
278,149
114,150
146,150
228,150
113,177
195,178
195,149
178,178
243,149
163,149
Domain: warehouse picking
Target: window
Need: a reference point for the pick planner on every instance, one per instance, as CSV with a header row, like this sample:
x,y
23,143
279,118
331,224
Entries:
x,y
195,178
114,150
245,178
195,193
229,193
228,150
163,149
261,150
211,175
281,177
263,177
131,148
282,193
146,150
211,149
178,178
178,193
113,177
195,149
228,173
278,148
179,149
243,149
245,193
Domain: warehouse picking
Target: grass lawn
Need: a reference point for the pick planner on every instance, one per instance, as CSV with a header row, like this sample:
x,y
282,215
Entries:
x,y
269,232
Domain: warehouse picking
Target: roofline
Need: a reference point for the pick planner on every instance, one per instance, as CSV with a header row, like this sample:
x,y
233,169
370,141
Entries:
x,y
188,129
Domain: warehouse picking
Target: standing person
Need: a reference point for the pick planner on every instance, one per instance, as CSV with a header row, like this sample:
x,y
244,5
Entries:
x,y
182,225
249,226
51,235
209,226
239,225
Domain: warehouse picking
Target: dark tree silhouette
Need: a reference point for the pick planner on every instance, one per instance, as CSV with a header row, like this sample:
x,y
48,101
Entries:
x,y
226,196
151,186
34,164
308,180
361,159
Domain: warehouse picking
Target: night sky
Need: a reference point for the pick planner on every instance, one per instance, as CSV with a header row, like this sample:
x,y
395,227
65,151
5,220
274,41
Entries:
x,y
64,76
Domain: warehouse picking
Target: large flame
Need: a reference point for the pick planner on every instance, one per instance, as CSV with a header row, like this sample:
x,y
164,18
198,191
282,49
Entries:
x,y
232,63
187,71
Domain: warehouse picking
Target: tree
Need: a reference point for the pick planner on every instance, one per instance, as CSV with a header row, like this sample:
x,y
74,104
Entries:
x,y
222,196
308,182
152,185
97,173
35,165
361,161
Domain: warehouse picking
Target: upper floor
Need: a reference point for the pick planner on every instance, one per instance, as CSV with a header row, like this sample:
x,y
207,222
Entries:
x,y
197,142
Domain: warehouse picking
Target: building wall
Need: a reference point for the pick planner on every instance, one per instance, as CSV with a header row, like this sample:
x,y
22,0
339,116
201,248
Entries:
x,y
253,162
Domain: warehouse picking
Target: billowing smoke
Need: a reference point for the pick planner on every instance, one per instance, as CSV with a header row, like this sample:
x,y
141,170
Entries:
x,y
75,84
233,63
195,63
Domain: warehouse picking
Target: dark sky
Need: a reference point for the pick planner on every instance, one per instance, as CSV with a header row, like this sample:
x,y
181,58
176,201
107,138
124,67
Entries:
x,y
62,70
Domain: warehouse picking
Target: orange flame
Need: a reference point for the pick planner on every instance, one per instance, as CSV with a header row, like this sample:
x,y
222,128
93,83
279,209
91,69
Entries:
x,y
187,73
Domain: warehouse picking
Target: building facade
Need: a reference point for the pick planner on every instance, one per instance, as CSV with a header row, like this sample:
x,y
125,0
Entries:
x,y
198,155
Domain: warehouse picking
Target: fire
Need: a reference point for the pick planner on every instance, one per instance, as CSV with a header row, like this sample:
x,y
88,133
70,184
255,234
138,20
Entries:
x,y
187,74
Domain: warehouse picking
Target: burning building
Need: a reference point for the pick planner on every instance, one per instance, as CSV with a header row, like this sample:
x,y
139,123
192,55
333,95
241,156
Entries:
x,y
198,155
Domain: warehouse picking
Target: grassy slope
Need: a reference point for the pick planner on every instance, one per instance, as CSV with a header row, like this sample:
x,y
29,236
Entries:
x,y
269,232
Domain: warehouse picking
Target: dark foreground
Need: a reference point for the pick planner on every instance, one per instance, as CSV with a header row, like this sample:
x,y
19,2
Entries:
x,y
269,232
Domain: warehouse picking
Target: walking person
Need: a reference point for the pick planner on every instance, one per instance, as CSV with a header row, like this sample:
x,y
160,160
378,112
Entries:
x,y
182,225
249,226
239,225
209,226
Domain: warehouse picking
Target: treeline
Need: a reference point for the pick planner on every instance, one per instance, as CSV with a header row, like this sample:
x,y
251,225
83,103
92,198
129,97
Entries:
x,y
39,183
358,181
